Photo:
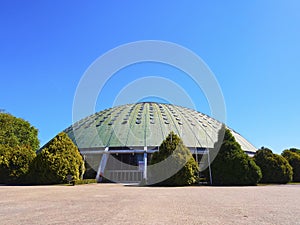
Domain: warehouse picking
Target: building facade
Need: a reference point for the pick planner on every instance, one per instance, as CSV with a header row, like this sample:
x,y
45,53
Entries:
x,y
117,143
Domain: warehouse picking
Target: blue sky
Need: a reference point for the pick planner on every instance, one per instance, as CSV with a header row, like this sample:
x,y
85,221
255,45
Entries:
x,y
252,47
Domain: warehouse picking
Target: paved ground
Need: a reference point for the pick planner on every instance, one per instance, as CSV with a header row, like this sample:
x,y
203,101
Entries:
x,y
117,204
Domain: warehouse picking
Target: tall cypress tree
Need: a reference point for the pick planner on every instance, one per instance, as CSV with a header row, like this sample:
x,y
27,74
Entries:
x,y
232,166
179,159
57,159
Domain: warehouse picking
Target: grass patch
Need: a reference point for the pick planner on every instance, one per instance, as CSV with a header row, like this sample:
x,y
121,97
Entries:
x,y
85,181
294,183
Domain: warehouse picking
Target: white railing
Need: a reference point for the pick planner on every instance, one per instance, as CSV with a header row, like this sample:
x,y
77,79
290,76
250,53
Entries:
x,y
126,176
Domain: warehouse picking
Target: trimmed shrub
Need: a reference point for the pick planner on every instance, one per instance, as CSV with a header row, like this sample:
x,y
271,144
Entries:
x,y
180,158
15,163
57,159
294,160
232,166
275,168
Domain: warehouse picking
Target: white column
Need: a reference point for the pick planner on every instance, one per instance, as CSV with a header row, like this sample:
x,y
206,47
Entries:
x,y
209,168
102,165
145,163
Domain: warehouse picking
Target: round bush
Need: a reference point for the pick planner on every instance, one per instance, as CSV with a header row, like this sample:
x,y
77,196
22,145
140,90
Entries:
x,y
275,168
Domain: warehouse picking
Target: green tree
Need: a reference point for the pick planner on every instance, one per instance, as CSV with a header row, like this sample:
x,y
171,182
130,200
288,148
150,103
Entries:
x,y
275,168
15,163
18,143
295,150
294,160
56,160
17,132
180,159
232,166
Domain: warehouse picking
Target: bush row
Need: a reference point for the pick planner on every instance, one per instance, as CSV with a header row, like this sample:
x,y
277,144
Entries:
x,y
233,167
60,158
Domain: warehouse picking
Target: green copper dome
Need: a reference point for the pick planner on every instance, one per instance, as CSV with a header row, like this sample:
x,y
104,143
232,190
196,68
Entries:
x,y
146,125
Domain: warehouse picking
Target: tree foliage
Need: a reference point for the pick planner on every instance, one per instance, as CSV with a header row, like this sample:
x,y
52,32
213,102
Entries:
x,y
294,160
232,166
17,132
179,157
15,163
275,168
295,150
57,159
18,143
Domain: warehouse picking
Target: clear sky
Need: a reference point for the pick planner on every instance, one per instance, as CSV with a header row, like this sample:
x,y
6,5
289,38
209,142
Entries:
x,y
252,47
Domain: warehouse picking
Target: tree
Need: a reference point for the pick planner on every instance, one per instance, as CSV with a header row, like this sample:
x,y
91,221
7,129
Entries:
x,y
179,159
56,160
294,160
18,143
275,168
15,163
232,166
295,150
17,132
